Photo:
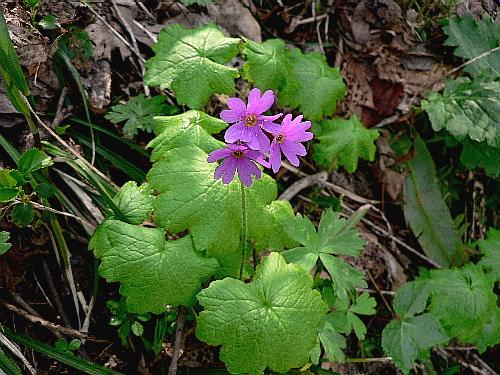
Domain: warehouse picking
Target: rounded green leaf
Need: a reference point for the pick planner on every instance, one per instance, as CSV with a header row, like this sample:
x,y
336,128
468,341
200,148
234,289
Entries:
x,y
23,214
271,322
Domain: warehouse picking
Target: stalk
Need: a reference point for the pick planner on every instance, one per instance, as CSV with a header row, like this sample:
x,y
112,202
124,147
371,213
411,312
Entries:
x,y
244,227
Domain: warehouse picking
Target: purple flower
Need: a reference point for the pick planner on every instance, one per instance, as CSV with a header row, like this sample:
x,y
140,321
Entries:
x,y
287,139
248,120
237,157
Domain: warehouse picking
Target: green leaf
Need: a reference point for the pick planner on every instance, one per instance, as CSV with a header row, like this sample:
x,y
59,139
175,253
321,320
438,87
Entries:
x,y
270,322
410,339
7,194
480,155
137,328
6,178
190,199
472,39
343,143
191,63
153,272
33,160
318,86
490,247
411,298
23,214
490,334
74,344
333,342
427,213
334,236
139,113
4,245
49,22
193,128
345,277
463,301
467,108
134,202
364,305
269,65
44,190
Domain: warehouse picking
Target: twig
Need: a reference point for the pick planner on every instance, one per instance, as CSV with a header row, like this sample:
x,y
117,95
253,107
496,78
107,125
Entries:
x,y
146,31
385,292
483,55
380,293
118,35
383,232
24,304
335,188
54,211
55,296
61,113
66,145
367,360
172,370
305,182
145,10
130,32
49,325
296,22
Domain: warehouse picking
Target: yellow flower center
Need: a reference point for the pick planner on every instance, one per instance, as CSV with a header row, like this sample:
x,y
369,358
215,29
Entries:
x,y
238,154
280,138
250,120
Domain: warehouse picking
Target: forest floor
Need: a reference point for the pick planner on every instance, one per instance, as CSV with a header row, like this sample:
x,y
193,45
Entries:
x,y
390,54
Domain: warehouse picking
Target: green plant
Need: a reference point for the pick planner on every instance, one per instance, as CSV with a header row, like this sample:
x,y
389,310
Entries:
x,y
68,347
126,322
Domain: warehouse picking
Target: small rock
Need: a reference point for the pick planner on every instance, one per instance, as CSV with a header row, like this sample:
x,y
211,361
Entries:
x,y
235,18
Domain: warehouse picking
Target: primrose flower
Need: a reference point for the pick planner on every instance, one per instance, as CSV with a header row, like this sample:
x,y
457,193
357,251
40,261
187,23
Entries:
x,y
248,120
237,157
287,139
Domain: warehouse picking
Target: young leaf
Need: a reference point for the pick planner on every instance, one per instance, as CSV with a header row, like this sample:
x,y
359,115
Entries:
x,y
191,199
411,298
473,38
134,202
411,338
463,301
4,245
490,247
137,328
318,86
23,214
138,113
191,63
333,237
333,342
33,160
343,143
490,335
427,213
153,272
7,194
270,322
269,65
44,190
467,108
189,128
480,155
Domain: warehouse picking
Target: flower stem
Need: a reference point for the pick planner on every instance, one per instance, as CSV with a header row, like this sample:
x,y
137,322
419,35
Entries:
x,y
244,227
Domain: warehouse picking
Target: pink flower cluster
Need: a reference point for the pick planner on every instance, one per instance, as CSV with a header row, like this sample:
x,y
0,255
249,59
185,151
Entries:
x,y
254,138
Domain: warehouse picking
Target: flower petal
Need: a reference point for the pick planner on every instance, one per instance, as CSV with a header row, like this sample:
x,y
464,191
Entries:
x,y
270,118
218,154
263,104
234,132
264,142
291,150
299,136
244,172
275,157
230,116
229,170
237,105
271,127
